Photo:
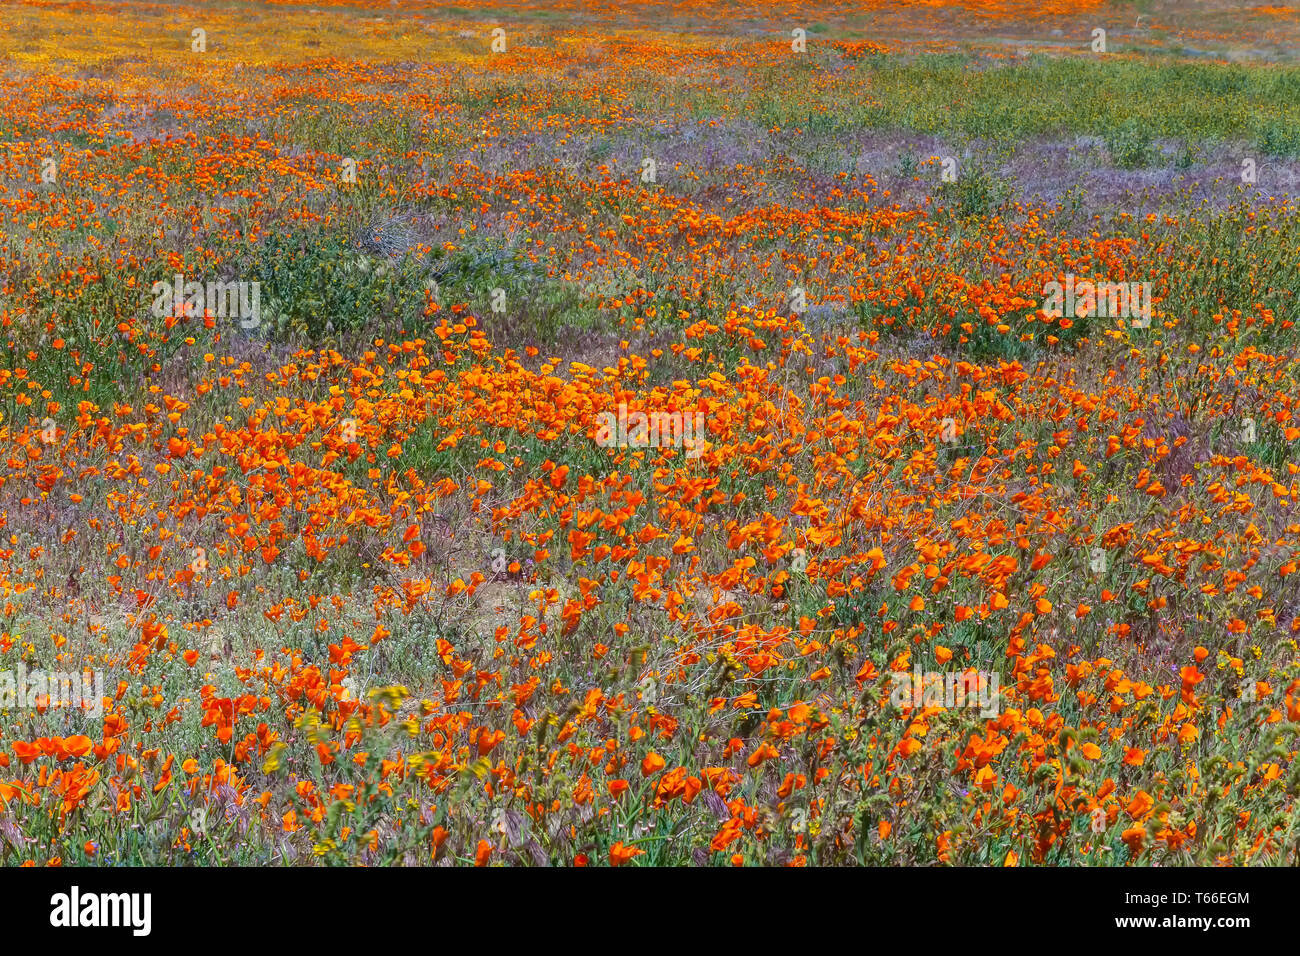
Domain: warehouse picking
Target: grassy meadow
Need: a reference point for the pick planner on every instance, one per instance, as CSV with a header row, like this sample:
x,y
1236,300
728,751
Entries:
x,y
622,430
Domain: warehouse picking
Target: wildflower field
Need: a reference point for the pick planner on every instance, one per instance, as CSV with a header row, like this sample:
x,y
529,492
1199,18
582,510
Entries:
x,y
726,433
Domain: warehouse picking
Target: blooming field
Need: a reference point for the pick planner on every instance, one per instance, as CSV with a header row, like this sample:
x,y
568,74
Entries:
x,y
709,434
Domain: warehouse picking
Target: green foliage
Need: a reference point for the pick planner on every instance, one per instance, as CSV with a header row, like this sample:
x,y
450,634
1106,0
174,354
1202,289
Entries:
x,y
1278,138
1130,146
313,283
978,193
